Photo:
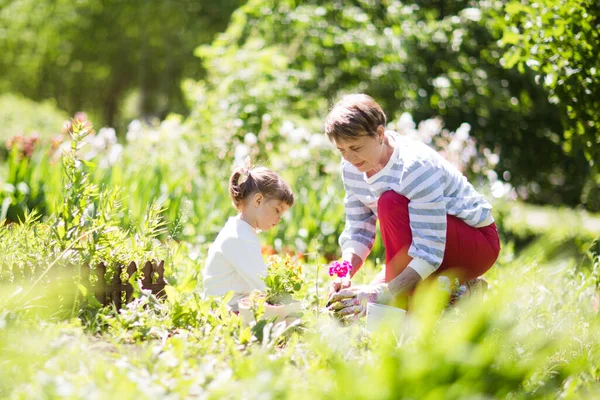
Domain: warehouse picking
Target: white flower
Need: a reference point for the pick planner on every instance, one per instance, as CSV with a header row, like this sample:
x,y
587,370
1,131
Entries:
x,y
115,154
300,154
240,154
318,141
455,145
298,135
286,128
500,189
134,130
493,159
300,245
429,128
474,14
492,175
405,123
441,82
462,133
108,134
152,136
278,243
97,142
23,187
327,229
250,139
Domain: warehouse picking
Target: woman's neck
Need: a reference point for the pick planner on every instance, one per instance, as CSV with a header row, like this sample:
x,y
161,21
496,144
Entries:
x,y
386,154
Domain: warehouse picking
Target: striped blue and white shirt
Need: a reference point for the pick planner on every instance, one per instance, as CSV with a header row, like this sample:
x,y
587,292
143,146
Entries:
x,y
434,188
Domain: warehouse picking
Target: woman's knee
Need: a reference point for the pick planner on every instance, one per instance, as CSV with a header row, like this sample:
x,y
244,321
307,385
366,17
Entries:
x,y
391,203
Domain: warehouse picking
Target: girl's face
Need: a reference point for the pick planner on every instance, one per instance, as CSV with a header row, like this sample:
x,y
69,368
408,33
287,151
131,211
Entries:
x,y
266,212
364,152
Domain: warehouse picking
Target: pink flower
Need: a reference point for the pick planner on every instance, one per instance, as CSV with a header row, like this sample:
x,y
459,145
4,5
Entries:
x,y
342,270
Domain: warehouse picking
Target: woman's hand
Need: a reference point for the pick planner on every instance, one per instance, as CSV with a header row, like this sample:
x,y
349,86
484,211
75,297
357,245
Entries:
x,y
337,285
352,301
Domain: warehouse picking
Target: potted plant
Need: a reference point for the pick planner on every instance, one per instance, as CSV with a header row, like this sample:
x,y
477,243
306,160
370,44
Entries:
x,y
283,280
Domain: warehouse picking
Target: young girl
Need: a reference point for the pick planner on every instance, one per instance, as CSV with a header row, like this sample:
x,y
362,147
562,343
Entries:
x,y
234,259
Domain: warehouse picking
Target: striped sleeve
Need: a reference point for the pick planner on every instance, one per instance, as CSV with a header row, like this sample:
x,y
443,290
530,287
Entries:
x,y
359,234
423,185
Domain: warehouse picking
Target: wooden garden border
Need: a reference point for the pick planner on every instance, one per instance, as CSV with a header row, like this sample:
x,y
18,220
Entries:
x,y
112,292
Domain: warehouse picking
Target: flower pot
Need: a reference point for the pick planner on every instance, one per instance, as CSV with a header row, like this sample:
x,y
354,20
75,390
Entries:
x,y
281,311
246,313
380,316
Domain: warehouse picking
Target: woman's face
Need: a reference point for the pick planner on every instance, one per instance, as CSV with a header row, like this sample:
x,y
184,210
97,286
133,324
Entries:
x,y
364,152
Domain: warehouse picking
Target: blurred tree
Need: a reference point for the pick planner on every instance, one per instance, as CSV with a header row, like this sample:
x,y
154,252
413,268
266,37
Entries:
x,y
424,57
91,54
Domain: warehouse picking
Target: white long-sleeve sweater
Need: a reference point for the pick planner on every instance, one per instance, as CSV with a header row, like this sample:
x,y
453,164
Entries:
x,y
234,262
434,188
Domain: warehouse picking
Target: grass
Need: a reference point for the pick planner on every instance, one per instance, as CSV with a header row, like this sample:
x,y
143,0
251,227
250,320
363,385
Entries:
x,y
533,337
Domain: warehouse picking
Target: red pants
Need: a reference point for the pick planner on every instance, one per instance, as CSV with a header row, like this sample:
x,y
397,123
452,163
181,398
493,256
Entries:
x,y
469,252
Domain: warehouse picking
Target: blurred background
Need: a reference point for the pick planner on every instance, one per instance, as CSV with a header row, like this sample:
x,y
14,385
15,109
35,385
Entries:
x,y
120,122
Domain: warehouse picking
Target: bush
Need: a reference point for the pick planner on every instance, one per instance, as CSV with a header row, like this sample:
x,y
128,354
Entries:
x,y
21,116
292,60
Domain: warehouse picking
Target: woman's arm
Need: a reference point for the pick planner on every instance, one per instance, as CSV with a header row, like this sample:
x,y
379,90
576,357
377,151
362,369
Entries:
x,y
427,214
404,283
358,236
355,260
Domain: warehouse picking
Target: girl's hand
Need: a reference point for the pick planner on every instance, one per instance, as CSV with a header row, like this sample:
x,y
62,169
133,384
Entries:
x,y
352,302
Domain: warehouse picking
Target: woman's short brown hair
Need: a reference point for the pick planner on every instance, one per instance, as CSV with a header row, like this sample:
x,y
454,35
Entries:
x,y
245,182
352,116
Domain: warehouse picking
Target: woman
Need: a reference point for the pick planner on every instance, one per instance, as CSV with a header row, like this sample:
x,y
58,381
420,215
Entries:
x,y
432,221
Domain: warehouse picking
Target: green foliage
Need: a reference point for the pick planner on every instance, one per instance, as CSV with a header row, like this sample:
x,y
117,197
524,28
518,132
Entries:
x,y
269,80
560,40
287,60
283,280
20,116
84,232
534,337
522,223
29,180
25,249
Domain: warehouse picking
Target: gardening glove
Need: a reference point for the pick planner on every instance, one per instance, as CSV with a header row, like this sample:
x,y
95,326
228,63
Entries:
x,y
337,285
352,302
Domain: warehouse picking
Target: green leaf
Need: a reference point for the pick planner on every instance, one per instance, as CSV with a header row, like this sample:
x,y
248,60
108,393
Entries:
x,y
82,289
509,36
172,294
187,286
511,58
